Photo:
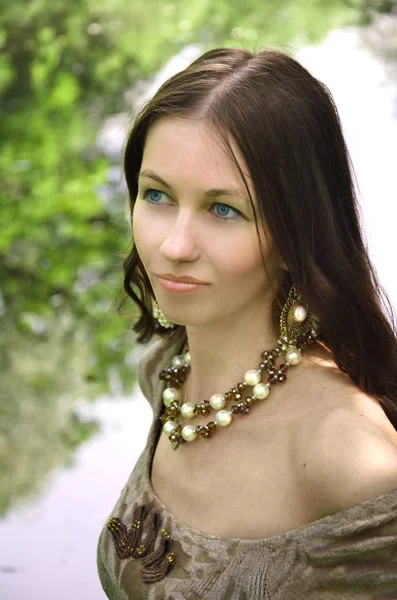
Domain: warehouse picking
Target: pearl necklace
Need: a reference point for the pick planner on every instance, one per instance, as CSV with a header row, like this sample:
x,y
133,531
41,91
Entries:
x,y
176,375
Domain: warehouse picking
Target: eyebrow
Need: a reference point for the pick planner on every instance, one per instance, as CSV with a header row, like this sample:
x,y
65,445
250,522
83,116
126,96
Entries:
x,y
212,193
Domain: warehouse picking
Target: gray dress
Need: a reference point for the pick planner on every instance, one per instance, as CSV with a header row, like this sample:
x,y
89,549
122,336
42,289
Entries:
x,y
351,554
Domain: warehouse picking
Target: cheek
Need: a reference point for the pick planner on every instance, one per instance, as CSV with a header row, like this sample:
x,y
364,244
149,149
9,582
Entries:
x,y
142,231
135,218
240,259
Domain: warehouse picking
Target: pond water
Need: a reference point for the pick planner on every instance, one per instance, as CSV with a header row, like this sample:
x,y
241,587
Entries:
x,y
48,547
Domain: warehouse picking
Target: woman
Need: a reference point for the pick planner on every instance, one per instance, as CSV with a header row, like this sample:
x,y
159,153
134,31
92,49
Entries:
x,y
270,469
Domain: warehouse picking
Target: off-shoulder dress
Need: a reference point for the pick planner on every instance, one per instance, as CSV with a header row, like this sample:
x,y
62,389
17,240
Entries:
x,y
351,554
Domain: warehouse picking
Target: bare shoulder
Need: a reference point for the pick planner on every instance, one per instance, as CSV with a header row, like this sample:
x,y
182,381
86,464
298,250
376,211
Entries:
x,y
348,450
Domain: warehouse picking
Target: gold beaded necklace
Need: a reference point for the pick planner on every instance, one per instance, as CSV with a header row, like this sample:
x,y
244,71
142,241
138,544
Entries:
x,y
295,322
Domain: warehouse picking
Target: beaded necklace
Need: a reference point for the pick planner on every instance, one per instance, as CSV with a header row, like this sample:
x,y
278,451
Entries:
x,y
294,321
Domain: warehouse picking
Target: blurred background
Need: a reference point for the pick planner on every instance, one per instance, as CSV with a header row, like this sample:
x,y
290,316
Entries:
x,y
72,418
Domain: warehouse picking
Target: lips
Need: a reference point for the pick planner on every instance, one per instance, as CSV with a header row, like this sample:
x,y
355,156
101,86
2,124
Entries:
x,y
185,279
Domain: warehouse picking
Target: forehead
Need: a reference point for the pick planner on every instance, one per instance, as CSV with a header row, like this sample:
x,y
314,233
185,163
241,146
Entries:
x,y
191,152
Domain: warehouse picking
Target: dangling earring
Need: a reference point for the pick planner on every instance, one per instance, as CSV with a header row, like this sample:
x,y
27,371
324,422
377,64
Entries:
x,y
159,315
296,321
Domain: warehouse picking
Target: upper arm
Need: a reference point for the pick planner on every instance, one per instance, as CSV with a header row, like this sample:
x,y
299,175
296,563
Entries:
x,y
148,365
347,462
156,356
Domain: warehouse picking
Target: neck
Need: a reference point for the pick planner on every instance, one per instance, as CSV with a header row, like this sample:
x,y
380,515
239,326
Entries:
x,y
218,363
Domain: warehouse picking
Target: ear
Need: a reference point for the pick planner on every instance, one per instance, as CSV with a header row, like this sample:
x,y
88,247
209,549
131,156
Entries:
x,y
283,266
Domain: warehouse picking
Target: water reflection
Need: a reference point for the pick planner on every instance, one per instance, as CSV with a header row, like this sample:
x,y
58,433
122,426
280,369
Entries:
x,y
49,548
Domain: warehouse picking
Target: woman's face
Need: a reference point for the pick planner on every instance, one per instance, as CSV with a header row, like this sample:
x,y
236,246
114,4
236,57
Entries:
x,y
178,229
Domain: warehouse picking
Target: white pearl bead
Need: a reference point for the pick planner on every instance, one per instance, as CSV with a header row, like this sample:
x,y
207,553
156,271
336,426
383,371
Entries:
x,y
294,357
170,395
261,390
169,427
178,361
300,313
217,401
187,410
189,433
223,418
187,358
252,377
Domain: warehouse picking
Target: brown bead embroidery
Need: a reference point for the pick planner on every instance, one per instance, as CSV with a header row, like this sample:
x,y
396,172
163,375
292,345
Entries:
x,y
129,543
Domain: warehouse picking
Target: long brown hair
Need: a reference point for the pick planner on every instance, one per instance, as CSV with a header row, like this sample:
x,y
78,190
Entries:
x,y
286,125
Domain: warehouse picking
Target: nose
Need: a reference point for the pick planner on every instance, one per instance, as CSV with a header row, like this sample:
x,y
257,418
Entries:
x,y
180,241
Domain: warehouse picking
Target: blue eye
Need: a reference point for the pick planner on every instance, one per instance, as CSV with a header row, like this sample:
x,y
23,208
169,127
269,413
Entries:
x,y
152,195
227,207
150,190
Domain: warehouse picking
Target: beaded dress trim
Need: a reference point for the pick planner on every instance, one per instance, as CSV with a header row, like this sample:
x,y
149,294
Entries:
x,y
153,549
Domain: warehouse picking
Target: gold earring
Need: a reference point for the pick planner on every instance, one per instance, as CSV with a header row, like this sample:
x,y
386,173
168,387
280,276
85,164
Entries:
x,y
296,320
159,315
